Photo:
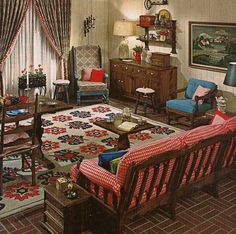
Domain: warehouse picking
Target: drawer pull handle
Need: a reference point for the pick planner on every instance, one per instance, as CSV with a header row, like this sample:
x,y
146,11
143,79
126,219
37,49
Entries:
x,y
126,68
152,73
115,65
138,70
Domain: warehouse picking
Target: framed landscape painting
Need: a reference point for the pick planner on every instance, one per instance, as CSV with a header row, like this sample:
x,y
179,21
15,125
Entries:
x,y
212,45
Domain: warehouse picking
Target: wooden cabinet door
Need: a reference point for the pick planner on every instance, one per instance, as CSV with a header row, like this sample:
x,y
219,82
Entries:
x,y
116,84
127,79
140,77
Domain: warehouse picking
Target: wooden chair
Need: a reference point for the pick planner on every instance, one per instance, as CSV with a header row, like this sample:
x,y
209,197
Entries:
x,y
83,57
20,138
189,108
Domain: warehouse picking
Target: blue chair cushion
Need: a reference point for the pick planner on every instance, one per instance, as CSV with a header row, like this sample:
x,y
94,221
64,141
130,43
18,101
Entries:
x,y
187,105
105,158
194,83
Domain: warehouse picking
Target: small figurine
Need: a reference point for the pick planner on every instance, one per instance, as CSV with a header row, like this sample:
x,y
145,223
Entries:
x,y
71,193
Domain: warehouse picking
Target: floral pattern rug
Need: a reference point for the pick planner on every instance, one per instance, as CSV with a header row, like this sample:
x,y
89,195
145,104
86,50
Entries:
x,y
67,136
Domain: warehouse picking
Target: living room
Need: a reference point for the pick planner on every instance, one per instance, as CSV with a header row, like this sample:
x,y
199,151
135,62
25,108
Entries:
x,y
92,22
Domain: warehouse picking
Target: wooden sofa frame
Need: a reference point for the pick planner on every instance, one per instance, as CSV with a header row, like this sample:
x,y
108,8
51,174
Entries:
x,y
120,209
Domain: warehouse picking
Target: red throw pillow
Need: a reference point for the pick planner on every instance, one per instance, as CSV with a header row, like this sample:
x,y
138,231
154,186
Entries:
x,y
97,75
219,117
86,74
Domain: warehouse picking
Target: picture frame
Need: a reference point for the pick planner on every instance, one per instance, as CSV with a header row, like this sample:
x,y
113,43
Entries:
x,y
212,45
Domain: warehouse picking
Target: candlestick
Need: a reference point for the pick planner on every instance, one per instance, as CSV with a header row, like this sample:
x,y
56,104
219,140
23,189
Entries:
x,y
27,79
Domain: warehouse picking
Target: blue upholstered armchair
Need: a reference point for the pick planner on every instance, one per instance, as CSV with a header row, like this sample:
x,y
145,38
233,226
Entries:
x,y
191,105
83,58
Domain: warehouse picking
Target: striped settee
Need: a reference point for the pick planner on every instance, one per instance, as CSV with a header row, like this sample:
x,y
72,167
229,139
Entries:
x,y
157,174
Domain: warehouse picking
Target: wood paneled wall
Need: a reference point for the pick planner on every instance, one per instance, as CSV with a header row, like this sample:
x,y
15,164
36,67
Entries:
x,y
81,9
108,11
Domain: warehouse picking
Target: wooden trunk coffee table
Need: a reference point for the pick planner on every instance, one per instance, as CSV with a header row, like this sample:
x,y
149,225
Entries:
x,y
62,215
123,140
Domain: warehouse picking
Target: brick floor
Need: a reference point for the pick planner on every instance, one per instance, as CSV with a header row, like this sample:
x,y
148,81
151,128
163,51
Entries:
x,y
198,213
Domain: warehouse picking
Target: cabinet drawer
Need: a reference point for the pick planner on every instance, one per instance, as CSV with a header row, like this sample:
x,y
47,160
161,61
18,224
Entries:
x,y
55,213
152,73
116,67
127,68
50,200
53,224
139,71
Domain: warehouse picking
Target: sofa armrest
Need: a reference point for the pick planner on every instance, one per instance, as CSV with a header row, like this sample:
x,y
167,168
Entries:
x,y
99,175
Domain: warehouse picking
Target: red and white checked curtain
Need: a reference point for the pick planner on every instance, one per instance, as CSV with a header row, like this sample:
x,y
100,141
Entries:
x,y
12,15
55,16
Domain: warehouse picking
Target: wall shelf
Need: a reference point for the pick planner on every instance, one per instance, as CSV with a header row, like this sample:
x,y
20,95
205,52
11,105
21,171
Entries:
x,y
170,26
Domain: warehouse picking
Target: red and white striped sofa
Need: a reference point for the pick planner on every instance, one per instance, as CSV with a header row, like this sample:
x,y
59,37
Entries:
x,y
157,174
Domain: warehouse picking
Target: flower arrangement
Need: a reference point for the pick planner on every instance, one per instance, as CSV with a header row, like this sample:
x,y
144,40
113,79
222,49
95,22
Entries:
x,y
33,72
34,77
163,33
138,49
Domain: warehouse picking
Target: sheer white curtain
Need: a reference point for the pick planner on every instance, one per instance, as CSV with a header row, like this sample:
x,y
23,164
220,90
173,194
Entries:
x,y
32,47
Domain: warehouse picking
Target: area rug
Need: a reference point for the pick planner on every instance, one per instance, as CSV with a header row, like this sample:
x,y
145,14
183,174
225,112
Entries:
x,y
67,136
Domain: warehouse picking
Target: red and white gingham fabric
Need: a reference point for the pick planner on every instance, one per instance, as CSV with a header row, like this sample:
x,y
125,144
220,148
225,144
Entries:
x,y
96,174
204,132
139,154
230,124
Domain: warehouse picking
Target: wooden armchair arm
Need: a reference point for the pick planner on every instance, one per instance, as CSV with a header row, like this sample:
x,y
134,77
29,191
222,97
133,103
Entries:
x,y
174,94
210,95
106,78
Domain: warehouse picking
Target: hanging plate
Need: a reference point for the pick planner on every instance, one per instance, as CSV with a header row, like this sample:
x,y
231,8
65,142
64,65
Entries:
x,y
165,14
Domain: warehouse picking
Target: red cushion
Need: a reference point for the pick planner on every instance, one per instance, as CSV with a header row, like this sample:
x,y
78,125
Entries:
x,y
86,74
97,75
219,118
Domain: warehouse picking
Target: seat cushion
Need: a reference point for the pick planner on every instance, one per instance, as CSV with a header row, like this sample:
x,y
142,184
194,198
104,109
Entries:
x,y
145,90
194,83
91,86
187,105
61,82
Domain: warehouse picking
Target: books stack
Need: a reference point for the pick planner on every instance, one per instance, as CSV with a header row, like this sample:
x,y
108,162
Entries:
x,y
127,126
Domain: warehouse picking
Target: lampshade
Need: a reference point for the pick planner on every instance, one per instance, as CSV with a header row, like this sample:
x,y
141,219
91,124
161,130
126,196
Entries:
x,y
230,78
123,28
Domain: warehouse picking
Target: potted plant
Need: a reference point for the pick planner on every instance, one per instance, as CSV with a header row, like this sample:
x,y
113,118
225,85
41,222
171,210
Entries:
x,y
36,77
137,52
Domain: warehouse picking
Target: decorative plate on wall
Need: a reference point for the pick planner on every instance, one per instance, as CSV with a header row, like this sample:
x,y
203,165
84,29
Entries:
x,y
164,14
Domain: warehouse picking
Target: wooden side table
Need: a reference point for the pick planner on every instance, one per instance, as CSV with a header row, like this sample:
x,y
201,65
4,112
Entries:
x,y
62,215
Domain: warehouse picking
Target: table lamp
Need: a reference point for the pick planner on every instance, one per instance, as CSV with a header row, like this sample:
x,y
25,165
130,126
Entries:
x,y
230,78
123,28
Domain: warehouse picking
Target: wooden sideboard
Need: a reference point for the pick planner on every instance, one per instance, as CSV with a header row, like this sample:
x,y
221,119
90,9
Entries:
x,y
126,77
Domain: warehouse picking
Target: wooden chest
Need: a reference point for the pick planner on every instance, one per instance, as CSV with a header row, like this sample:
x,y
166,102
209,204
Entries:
x,y
161,59
65,216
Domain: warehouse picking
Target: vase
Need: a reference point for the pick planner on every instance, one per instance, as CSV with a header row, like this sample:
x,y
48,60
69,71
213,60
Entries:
x,y
137,56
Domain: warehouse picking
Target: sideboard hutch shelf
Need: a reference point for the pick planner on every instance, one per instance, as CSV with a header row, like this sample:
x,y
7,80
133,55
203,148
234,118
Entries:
x,y
170,41
126,77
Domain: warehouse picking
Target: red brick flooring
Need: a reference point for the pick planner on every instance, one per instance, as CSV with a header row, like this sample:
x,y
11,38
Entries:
x,y
199,213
